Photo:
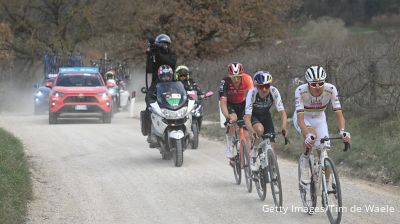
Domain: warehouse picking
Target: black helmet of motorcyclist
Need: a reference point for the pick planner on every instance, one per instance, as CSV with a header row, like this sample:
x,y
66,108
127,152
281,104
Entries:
x,y
165,73
163,41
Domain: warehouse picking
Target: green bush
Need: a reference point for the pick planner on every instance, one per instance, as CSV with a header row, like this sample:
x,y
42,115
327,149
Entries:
x,y
15,184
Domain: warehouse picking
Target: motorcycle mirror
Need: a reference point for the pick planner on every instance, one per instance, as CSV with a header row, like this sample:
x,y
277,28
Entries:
x,y
143,90
190,97
209,93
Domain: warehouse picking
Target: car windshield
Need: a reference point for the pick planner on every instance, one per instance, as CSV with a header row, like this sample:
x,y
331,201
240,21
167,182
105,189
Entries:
x,y
79,80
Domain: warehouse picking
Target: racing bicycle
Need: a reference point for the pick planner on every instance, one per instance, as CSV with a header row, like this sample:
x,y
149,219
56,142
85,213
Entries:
x,y
323,174
241,155
268,169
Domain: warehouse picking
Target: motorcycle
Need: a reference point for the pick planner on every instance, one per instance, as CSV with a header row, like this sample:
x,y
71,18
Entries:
x,y
171,120
197,115
113,90
124,96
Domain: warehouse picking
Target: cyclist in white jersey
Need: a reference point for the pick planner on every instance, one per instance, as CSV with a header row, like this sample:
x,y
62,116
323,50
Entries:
x,y
309,118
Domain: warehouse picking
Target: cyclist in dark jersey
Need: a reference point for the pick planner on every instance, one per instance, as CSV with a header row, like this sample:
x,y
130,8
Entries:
x,y
258,118
233,90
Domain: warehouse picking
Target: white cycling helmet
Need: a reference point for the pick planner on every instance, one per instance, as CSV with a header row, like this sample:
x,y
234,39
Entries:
x,y
315,74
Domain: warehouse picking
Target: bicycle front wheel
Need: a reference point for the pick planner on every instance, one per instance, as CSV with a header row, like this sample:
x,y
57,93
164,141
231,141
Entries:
x,y
246,167
276,186
237,170
331,193
308,192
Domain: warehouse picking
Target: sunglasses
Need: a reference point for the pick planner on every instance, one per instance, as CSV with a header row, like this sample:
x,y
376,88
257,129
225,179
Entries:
x,y
264,86
316,84
236,77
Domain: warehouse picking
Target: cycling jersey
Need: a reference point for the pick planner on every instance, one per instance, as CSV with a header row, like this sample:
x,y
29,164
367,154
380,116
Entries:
x,y
255,105
235,95
312,105
258,108
314,109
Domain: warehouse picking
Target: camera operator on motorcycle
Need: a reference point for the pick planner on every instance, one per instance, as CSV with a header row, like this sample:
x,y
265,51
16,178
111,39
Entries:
x,y
165,74
158,53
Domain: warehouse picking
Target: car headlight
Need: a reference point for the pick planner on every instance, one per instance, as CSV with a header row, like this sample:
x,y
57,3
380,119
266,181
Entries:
x,y
103,95
170,114
58,94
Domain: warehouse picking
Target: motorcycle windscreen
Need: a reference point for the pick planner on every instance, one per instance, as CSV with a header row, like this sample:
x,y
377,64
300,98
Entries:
x,y
171,95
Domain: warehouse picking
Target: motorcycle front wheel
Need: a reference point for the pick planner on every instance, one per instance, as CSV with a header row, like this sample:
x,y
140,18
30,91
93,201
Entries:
x,y
195,129
178,153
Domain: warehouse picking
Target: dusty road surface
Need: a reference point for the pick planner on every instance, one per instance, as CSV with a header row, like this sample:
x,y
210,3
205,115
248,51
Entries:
x,y
88,172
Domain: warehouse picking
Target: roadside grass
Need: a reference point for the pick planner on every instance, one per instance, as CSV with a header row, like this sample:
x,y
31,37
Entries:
x,y
375,148
15,183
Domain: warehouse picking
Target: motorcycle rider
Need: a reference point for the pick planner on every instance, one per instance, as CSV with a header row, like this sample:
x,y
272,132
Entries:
x,y
112,84
165,74
182,73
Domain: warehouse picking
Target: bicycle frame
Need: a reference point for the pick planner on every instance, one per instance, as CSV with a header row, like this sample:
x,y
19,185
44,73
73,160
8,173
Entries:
x,y
264,146
319,169
238,125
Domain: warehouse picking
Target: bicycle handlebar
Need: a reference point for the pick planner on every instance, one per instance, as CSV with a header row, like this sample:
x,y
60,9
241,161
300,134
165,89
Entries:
x,y
240,123
347,145
273,135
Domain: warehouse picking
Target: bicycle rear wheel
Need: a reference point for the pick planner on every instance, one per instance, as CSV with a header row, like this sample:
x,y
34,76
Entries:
x,y
246,167
276,186
308,192
237,170
331,194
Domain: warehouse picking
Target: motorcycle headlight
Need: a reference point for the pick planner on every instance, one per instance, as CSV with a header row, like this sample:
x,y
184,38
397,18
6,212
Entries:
x,y
39,94
170,114
111,91
58,94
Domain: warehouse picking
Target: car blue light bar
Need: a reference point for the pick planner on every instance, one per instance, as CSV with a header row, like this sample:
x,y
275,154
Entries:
x,y
79,70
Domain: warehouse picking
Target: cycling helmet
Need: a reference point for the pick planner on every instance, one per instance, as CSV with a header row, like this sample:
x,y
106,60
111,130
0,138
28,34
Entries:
x,y
163,38
182,70
235,69
315,74
110,74
165,73
262,78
